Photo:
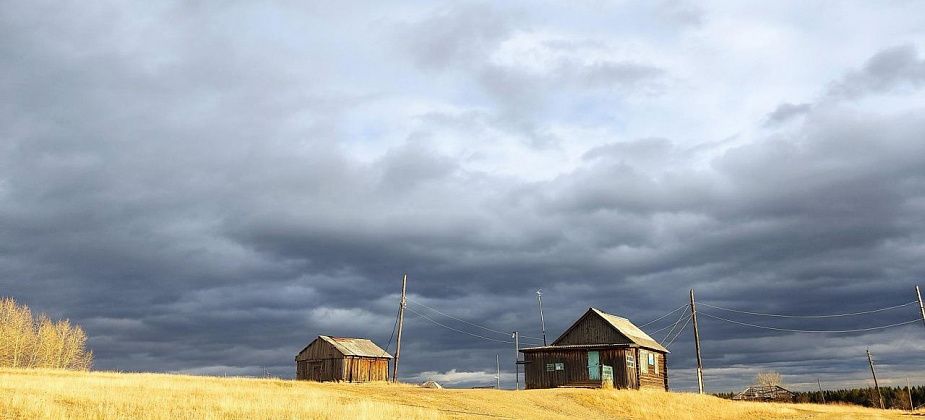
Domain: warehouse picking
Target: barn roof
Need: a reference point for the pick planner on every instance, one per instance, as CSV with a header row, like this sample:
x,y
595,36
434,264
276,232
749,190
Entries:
x,y
623,326
354,346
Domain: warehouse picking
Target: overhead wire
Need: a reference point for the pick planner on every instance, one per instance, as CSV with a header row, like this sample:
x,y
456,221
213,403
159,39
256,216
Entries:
x,y
807,316
394,327
809,331
679,332
506,333
458,330
681,317
678,322
663,316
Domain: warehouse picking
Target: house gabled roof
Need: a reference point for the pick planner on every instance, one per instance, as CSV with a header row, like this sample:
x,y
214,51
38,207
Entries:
x,y
621,325
360,347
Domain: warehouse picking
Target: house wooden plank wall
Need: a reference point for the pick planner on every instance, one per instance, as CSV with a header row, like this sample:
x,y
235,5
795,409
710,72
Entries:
x,y
342,359
598,339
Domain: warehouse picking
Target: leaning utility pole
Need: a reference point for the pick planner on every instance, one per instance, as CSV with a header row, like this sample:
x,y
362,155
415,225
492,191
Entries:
x,y
516,337
874,374
498,376
539,298
909,390
401,321
821,392
697,343
921,307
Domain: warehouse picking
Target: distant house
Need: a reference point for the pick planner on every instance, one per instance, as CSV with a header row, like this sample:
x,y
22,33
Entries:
x,y
342,359
597,347
764,393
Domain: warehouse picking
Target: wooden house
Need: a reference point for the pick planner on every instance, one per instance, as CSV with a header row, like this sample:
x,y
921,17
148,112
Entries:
x,y
764,393
342,359
598,347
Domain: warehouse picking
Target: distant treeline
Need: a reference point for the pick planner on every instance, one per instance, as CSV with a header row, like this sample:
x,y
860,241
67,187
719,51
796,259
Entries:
x,y
893,396
27,341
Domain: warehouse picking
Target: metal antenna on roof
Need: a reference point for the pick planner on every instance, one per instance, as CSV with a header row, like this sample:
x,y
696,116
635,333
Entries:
x,y
539,298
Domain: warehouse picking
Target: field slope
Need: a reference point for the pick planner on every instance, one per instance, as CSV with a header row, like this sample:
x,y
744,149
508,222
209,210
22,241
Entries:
x,y
30,394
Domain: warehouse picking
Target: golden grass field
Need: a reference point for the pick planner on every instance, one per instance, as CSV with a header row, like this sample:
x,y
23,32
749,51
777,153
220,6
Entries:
x,y
52,394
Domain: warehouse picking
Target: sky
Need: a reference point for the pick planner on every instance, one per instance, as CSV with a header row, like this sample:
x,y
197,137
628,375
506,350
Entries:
x,y
207,186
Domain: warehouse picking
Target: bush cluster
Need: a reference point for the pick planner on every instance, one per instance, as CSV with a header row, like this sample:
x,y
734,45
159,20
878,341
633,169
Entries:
x,y
27,341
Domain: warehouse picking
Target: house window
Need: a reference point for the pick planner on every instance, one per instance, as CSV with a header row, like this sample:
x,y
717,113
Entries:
x,y
560,366
643,361
653,361
550,367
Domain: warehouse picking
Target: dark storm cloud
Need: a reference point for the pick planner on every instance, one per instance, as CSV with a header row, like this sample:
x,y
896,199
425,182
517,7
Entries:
x,y
894,68
786,112
196,204
460,34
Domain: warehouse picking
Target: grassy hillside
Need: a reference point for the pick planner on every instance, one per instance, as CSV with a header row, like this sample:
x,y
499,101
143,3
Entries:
x,y
29,394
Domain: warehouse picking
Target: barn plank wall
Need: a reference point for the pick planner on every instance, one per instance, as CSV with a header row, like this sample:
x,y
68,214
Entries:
x,y
322,362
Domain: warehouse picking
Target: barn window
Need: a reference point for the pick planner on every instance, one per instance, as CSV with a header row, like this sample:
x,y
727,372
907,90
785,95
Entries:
x,y
560,366
653,360
550,367
643,364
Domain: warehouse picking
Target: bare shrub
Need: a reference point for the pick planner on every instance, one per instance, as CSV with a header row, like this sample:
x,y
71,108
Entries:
x,y
30,342
768,379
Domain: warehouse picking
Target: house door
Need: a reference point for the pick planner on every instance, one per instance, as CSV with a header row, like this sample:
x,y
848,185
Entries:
x,y
631,381
594,366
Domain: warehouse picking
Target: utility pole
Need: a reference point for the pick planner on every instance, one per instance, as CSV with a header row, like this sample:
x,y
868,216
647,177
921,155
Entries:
x,y
874,374
697,343
516,337
539,298
918,294
498,376
821,392
909,390
401,321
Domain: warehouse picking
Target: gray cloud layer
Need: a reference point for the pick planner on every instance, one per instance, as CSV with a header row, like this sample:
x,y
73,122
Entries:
x,y
203,189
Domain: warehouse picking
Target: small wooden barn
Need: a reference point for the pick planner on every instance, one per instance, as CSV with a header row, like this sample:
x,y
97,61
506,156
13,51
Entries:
x,y
598,347
342,359
764,393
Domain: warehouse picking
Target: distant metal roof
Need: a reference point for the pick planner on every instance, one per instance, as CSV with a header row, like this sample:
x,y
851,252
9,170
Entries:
x,y
763,392
355,347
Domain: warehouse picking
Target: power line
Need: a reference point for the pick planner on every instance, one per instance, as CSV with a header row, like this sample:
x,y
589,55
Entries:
x,y
459,331
808,316
811,331
679,331
663,316
668,326
505,333
395,325
674,326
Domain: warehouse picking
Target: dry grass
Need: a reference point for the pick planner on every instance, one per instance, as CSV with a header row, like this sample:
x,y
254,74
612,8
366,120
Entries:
x,y
50,394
